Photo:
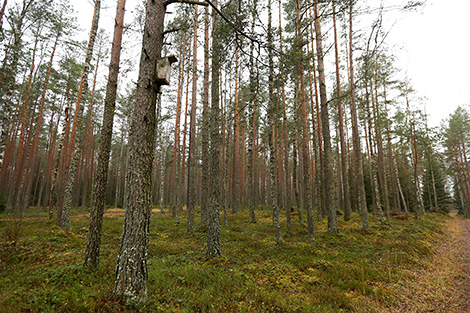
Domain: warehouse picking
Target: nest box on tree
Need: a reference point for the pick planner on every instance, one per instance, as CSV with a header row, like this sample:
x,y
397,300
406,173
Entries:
x,y
164,69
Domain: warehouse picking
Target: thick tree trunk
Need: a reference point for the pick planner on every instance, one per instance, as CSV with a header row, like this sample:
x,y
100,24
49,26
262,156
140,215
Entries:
x,y
92,249
131,270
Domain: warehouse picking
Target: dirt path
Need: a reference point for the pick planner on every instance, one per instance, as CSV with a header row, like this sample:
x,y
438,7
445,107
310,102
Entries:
x,y
443,284
463,257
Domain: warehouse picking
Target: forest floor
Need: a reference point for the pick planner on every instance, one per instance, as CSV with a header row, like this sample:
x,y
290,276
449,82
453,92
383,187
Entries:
x,y
442,281
406,265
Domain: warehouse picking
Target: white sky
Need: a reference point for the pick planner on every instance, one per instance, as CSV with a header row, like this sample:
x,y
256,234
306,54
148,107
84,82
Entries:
x,y
430,44
435,54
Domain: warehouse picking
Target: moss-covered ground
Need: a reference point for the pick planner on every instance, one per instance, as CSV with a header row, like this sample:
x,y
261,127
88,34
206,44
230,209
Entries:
x,y
353,271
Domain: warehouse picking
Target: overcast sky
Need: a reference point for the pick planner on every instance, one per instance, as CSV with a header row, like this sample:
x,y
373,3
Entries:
x,y
433,50
431,45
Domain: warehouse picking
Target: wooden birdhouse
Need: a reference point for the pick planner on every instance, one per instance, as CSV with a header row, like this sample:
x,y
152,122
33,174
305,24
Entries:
x,y
164,69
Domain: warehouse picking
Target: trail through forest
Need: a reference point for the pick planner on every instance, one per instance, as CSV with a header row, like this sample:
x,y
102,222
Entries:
x,y
463,256
443,283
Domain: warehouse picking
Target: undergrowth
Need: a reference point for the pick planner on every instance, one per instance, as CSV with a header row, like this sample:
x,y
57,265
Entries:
x,y
41,268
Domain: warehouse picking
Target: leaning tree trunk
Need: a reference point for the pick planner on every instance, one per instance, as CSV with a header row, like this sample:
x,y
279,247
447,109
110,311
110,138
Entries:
x,y
8,74
131,271
92,249
22,148
34,146
75,144
2,11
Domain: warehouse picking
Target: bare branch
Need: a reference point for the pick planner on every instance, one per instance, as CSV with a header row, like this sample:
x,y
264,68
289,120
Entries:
x,y
168,2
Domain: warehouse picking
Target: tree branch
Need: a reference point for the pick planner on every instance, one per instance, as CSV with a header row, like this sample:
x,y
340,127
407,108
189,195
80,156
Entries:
x,y
232,24
168,2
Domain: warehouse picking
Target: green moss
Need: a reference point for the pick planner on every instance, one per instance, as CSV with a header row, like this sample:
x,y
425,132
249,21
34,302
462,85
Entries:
x,y
42,270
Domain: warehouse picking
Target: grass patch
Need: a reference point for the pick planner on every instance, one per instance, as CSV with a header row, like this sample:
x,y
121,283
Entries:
x,y
41,268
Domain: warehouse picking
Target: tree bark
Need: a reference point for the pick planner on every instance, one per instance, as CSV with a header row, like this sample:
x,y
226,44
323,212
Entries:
x,y
272,118
192,137
205,175
93,244
131,270
213,233
328,174
75,144
307,193
34,146
344,150
22,148
359,169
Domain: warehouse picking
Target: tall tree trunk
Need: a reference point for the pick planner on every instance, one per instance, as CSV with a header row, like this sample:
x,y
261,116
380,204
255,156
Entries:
x,y
213,232
224,156
182,189
22,148
7,78
381,158
131,270
205,175
236,141
307,194
328,174
93,244
359,168
318,162
192,164
252,126
56,181
272,118
75,144
87,153
287,197
344,151
176,153
371,157
34,146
